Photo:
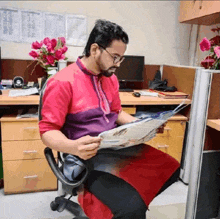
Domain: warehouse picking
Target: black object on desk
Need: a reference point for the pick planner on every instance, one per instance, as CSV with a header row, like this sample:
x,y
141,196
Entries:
x,y
126,90
136,94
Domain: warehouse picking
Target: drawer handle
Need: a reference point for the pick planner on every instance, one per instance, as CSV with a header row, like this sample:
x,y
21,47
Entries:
x,y
167,129
31,177
29,152
30,128
163,146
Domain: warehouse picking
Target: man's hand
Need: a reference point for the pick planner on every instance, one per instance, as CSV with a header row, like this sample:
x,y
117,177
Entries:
x,y
87,147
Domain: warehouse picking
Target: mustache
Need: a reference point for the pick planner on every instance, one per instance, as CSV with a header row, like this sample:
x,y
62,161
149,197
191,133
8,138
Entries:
x,y
113,68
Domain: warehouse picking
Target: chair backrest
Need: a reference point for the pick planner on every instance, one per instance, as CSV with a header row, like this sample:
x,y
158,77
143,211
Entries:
x,y
50,156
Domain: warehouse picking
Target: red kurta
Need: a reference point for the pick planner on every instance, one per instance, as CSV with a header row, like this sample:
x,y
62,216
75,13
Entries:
x,y
79,103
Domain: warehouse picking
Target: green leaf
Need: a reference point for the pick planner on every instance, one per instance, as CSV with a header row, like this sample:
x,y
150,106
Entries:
x,y
59,44
44,50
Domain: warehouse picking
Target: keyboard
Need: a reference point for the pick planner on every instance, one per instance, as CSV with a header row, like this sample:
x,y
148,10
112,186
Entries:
x,y
23,92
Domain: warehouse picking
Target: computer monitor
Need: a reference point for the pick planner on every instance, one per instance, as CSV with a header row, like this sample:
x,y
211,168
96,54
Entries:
x,y
131,70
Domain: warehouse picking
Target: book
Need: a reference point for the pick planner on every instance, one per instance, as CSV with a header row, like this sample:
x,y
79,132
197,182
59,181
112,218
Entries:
x,y
172,95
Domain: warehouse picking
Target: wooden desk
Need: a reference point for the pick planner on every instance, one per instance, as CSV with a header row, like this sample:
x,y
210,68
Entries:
x,y
24,164
23,149
214,123
25,100
128,99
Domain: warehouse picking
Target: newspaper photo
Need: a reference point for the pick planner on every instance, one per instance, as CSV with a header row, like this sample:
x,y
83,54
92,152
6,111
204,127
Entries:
x,y
137,132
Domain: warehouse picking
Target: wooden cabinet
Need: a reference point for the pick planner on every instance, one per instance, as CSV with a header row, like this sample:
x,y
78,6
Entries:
x,y
171,140
200,12
24,165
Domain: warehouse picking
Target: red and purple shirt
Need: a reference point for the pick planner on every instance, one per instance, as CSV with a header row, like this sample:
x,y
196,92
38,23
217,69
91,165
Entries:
x,y
79,103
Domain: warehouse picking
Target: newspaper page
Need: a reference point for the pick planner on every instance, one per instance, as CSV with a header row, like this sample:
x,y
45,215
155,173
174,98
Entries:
x,y
10,24
31,26
136,132
76,30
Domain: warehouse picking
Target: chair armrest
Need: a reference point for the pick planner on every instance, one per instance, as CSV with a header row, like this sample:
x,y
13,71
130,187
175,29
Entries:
x,y
58,173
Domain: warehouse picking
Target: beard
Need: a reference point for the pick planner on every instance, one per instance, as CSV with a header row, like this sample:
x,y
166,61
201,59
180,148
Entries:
x,y
109,72
106,72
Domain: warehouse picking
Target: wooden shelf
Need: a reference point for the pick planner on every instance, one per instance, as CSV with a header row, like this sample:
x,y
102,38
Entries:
x,y
200,12
214,123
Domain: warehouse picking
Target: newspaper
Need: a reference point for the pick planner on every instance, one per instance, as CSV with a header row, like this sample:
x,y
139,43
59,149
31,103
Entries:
x,y
136,132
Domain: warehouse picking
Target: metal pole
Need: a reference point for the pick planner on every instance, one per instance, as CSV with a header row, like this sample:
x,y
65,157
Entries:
x,y
198,143
185,171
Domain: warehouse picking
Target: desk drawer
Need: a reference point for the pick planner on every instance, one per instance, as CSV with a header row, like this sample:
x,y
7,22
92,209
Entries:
x,y
27,176
129,109
174,129
17,150
171,140
171,146
20,130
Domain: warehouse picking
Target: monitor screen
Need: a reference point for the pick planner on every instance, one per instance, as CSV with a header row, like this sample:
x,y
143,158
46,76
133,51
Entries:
x,y
131,69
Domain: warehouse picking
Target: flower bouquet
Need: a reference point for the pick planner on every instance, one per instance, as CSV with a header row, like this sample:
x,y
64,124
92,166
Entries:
x,y
212,61
48,52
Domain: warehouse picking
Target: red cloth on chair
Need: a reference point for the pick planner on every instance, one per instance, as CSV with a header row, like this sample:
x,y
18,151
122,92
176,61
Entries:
x,y
146,173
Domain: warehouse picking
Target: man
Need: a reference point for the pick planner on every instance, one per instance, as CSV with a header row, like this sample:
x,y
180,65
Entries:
x,y
80,102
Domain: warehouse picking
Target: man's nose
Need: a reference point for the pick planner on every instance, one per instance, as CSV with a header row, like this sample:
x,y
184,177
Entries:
x,y
118,64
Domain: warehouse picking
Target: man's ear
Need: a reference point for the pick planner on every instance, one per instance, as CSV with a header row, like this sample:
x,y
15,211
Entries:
x,y
94,49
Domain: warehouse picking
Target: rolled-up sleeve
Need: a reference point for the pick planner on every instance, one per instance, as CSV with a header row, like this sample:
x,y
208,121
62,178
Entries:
x,y
55,105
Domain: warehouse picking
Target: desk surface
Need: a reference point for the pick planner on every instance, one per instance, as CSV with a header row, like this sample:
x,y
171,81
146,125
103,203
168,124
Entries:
x,y
214,123
126,99
25,100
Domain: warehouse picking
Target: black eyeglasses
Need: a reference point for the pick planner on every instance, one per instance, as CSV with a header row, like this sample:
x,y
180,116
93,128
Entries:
x,y
116,59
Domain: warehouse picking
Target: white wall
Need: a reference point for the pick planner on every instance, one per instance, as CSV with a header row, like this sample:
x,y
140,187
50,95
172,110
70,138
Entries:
x,y
152,26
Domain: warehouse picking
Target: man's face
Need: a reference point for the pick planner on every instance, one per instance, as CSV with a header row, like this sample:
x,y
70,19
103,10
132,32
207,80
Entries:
x,y
111,57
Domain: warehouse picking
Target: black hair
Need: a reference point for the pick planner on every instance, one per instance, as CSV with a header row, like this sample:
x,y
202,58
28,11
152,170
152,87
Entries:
x,y
103,33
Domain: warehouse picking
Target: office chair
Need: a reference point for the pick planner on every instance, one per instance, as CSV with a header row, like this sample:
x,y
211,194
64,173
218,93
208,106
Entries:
x,y
69,187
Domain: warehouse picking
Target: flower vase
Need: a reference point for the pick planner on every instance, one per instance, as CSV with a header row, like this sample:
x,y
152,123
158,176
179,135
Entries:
x,y
51,71
62,64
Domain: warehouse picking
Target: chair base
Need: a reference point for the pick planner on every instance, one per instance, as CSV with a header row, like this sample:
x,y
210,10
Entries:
x,y
60,203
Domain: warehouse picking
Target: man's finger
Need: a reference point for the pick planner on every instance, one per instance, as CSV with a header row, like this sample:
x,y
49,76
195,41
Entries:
x,y
91,147
89,140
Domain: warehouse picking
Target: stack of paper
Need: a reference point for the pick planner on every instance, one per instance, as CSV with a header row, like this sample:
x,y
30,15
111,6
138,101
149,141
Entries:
x,y
172,95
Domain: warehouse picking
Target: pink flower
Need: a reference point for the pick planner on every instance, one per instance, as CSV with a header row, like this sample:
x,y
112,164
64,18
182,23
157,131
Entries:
x,y
53,43
48,51
50,59
208,62
63,40
50,48
33,54
205,44
217,51
64,49
46,41
36,45
59,55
